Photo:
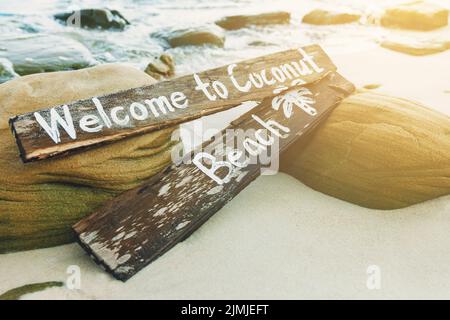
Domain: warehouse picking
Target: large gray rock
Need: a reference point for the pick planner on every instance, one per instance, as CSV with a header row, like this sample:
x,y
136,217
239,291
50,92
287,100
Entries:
x,y
44,53
94,18
6,70
40,202
243,21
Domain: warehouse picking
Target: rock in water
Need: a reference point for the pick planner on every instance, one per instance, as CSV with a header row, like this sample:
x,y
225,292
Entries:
x,y
162,67
39,202
45,53
94,18
372,86
417,47
261,43
243,21
6,70
376,151
417,15
196,37
323,17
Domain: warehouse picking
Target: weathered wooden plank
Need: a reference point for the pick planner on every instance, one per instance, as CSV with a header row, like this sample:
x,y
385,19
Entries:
x,y
86,123
138,226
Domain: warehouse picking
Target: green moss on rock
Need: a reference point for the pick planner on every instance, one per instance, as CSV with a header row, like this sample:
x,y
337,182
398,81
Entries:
x,y
16,293
39,202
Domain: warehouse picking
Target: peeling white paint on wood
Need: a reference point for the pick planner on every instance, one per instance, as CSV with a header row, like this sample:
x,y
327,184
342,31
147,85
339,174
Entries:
x,y
182,225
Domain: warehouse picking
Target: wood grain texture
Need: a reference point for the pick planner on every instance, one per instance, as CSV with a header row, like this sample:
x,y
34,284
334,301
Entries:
x,y
140,225
34,142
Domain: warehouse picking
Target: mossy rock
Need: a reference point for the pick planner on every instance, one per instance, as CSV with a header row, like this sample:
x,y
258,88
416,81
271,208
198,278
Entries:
x,y
39,202
376,151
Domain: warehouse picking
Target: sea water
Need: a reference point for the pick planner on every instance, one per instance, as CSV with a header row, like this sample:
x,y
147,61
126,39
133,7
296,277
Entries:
x,y
139,42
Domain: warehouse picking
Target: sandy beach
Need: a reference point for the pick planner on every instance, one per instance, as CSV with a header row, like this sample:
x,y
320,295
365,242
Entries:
x,y
280,239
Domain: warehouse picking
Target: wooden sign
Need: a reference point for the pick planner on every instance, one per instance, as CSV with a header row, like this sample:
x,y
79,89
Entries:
x,y
140,225
86,123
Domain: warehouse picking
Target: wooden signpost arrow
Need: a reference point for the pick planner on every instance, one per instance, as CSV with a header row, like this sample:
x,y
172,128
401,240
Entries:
x,y
86,123
140,225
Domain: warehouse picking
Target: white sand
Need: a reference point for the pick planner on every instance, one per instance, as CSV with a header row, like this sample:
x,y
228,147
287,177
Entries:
x,y
280,239
421,78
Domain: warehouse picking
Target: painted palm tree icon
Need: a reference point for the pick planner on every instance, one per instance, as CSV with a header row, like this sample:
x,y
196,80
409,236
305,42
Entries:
x,y
301,98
